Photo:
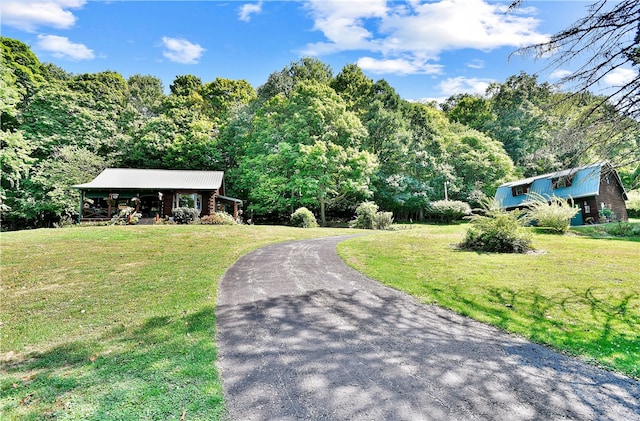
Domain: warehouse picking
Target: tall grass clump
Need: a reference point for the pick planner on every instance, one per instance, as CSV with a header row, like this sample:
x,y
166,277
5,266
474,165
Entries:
x,y
448,210
552,214
498,231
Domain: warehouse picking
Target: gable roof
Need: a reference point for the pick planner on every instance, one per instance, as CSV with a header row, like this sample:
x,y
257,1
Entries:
x,y
585,182
132,178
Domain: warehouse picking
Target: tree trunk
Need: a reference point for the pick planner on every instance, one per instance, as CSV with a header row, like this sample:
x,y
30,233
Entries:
x,y
323,219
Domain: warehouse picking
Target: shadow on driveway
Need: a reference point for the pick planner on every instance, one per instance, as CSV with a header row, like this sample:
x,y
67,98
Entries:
x,y
303,336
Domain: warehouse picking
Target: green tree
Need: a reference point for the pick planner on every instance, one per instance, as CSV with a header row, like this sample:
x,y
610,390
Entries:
x,y
222,95
48,197
146,94
328,175
354,87
520,120
185,85
58,116
471,110
300,151
25,66
306,69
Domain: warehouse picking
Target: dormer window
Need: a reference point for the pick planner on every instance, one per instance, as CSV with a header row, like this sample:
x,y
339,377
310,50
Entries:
x,y
520,190
561,182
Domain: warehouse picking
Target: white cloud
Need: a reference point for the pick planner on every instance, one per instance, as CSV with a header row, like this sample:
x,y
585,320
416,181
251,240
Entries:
x,y
398,66
181,50
343,24
28,15
249,9
460,85
620,76
420,30
476,64
559,74
61,47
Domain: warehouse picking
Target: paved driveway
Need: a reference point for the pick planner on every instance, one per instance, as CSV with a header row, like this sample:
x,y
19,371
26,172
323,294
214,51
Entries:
x,y
302,336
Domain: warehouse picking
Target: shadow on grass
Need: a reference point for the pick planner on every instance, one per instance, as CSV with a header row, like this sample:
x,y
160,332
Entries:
x,y
154,371
593,326
345,355
303,336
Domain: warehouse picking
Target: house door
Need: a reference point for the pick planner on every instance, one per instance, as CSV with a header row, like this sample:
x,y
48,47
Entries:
x,y
150,206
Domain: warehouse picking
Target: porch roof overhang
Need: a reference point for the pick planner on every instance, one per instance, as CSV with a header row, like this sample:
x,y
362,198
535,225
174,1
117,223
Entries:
x,y
229,199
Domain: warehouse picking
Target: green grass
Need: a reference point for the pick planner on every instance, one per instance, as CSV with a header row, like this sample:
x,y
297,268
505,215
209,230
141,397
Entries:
x,y
629,231
117,322
578,295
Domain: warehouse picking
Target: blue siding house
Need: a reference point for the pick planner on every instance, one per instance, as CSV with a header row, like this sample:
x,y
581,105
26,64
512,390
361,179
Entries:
x,y
593,188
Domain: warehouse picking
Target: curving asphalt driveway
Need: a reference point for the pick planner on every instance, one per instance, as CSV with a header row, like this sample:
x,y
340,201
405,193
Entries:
x,y
302,336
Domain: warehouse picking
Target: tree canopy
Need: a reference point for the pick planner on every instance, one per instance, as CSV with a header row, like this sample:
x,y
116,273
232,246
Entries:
x,y
305,138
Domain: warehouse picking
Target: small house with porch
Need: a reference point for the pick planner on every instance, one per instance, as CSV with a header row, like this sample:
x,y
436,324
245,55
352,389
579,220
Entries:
x,y
154,193
595,188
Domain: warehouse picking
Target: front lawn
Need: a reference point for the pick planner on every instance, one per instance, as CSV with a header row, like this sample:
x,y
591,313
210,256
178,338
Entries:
x,y
117,322
579,295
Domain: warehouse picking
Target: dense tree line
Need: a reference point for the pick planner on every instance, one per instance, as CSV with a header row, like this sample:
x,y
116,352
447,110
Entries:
x,y
306,137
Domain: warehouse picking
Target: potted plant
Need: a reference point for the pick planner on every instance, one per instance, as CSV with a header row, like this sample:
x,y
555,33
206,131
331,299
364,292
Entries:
x,y
606,215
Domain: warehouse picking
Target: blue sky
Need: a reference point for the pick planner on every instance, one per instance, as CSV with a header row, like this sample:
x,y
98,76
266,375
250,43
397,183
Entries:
x,y
424,49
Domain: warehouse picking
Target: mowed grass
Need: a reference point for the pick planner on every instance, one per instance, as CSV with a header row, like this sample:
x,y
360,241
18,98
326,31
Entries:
x,y
578,295
117,322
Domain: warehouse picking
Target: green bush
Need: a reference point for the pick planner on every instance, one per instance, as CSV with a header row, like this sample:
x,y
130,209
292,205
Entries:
x,y
497,231
185,215
126,216
218,218
365,214
448,210
633,204
368,217
552,214
303,218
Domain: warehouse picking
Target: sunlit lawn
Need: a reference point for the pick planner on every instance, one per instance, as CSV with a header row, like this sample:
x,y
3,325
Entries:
x,y
117,322
577,294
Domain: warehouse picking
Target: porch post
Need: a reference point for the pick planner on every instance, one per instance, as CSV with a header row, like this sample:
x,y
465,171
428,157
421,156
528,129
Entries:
x,y
235,210
81,207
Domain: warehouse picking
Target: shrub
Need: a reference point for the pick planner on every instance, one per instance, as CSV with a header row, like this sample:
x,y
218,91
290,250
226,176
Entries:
x,y
633,204
552,214
126,216
185,215
498,231
303,218
382,220
365,214
448,210
218,218
368,217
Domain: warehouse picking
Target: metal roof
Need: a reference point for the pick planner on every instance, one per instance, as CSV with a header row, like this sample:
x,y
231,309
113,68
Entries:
x,y
132,178
586,182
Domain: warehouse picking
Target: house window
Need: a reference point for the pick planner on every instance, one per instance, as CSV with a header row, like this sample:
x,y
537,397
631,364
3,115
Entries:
x,y
520,190
587,208
561,182
188,200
